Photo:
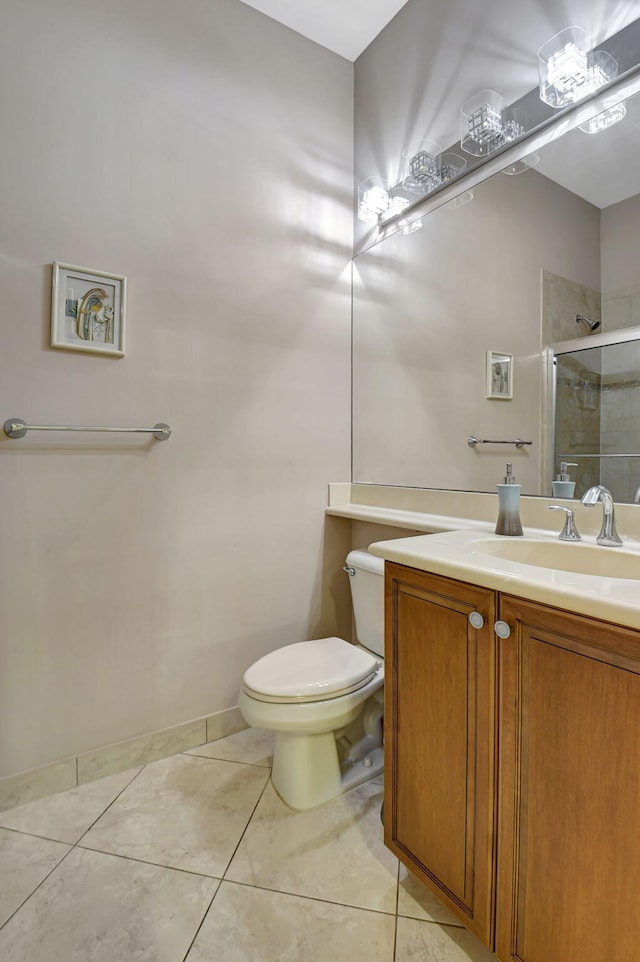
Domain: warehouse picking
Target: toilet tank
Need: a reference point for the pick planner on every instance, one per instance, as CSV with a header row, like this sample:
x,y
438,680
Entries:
x,y
367,594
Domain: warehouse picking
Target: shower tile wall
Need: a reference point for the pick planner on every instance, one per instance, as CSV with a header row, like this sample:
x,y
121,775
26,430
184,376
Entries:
x,y
621,308
562,299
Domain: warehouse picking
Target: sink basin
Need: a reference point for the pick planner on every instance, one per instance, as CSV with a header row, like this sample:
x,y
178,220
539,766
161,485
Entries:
x,y
578,558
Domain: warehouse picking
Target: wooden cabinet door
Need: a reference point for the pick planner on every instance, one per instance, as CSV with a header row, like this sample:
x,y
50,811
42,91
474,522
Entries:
x,y
439,738
569,788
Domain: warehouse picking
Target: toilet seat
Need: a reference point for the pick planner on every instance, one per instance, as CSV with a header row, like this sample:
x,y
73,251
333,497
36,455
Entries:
x,y
310,671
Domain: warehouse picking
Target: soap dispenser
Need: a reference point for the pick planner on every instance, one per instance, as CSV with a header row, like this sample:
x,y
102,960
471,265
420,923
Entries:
x,y
563,486
509,505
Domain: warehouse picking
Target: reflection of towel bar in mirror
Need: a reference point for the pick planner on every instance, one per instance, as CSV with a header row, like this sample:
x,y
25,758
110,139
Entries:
x,y
16,428
471,441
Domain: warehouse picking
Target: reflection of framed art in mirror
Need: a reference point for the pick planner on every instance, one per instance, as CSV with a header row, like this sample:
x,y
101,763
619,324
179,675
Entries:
x,y
499,376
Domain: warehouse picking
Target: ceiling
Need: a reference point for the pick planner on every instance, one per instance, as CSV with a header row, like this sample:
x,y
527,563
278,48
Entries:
x,y
345,26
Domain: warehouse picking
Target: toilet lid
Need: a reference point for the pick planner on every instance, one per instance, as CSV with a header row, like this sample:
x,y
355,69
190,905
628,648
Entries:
x,y
311,670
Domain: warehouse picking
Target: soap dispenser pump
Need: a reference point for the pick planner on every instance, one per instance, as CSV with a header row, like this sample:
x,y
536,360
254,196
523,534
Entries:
x,y
563,486
509,505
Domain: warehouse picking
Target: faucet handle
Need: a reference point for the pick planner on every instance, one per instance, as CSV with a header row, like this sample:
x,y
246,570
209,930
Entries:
x,y
569,532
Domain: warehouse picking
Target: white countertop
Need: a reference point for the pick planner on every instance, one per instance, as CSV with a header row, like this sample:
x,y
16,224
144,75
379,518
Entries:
x,y
464,555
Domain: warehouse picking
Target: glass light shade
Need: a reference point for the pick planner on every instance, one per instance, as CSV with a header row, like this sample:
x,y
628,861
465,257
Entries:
x,y
605,119
451,166
373,199
515,122
481,126
568,70
421,166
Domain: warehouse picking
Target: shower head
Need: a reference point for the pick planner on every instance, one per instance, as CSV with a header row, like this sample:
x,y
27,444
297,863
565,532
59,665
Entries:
x,y
591,325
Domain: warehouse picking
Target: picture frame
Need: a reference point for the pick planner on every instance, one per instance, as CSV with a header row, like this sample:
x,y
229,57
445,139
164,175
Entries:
x,y
88,309
499,376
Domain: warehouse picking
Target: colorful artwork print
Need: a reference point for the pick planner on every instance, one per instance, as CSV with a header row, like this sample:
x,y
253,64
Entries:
x,y
87,310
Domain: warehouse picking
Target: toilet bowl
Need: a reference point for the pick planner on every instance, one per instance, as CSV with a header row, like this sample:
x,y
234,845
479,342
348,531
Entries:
x,y
324,700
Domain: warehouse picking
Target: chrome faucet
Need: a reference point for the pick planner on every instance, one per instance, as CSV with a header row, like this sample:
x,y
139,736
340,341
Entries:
x,y
608,535
637,497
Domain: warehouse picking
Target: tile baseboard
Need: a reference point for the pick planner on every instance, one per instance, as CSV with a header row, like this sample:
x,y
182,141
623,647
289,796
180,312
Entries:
x,y
37,783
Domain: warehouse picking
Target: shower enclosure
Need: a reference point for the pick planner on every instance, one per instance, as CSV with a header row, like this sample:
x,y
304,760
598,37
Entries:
x,y
597,415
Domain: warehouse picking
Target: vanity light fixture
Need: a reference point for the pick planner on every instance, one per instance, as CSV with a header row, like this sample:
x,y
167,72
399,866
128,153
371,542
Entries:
x,y
486,124
373,199
421,167
569,70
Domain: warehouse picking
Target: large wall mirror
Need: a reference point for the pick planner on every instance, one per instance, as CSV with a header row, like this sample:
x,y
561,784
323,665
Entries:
x,y
508,272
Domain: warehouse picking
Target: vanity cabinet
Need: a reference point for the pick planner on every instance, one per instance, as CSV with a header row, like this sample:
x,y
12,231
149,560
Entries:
x,y
569,788
439,738
512,776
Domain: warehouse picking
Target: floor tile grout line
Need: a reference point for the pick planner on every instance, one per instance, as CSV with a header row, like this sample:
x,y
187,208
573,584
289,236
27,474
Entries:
x,y
202,921
244,831
112,802
234,761
44,838
310,898
146,861
40,883
395,922
49,838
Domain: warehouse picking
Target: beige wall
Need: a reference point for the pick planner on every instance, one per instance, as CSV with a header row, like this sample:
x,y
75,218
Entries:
x,y
620,245
620,278
204,151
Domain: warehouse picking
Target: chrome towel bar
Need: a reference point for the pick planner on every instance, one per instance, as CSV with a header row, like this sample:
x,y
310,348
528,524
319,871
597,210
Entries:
x,y
16,428
519,443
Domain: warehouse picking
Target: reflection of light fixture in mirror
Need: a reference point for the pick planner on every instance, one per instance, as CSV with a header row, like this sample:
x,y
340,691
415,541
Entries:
x,y
373,199
461,200
421,166
520,166
485,124
607,118
569,70
410,227
396,205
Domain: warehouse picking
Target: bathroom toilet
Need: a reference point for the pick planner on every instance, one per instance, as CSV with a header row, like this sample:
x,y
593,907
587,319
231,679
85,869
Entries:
x,y
324,700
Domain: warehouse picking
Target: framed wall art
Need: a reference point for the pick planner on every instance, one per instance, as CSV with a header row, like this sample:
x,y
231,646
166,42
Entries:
x,y
499,376
88,310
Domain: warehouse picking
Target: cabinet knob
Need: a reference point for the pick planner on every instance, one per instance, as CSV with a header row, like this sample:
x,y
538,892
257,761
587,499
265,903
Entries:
x,y
502,629
476,620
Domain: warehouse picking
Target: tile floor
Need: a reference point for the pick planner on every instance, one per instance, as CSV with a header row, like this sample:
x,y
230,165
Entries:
x,y
194,858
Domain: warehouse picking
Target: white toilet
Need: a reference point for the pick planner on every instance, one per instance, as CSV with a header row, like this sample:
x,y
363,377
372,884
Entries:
x,y
324,700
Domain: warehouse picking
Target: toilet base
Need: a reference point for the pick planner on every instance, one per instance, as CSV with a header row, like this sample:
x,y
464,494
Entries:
x,y
307,773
